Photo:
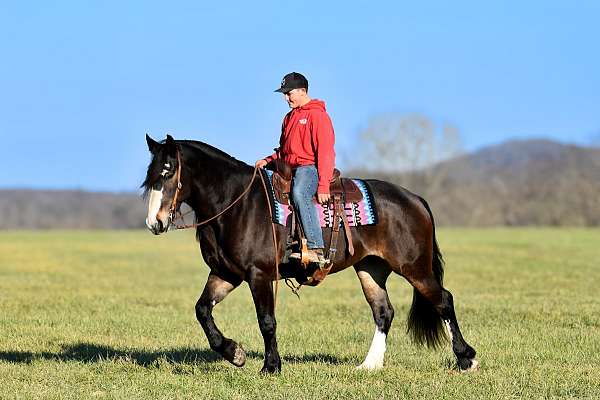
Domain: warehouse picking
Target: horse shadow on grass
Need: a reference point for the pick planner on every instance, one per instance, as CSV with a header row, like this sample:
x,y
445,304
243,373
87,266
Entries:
x,y
93,353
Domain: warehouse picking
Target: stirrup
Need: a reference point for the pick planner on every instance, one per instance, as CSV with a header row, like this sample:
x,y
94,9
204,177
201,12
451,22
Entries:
x,y
321,260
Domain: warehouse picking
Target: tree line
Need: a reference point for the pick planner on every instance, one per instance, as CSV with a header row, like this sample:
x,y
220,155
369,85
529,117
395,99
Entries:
x,y
517,183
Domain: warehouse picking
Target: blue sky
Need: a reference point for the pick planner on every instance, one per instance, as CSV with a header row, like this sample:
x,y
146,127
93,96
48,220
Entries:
x,y
82,82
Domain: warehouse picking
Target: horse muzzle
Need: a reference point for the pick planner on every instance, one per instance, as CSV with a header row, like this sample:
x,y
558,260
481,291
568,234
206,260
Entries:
x,y
158,227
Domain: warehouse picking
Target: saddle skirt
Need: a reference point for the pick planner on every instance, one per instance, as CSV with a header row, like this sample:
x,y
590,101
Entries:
x,y
359,206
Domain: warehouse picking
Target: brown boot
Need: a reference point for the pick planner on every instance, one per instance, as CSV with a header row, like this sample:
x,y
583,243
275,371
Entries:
x,y
313,256
316,256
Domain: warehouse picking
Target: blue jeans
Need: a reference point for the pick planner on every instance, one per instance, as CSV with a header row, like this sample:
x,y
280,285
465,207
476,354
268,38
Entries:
x,y
304,188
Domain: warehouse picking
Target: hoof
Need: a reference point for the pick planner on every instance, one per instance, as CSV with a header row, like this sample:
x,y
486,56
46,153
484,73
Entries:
x,y
235,354
370,366
272,364
469,365
239,357
270,370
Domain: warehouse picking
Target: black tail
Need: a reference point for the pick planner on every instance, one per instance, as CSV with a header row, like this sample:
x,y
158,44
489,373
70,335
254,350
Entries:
x,y
424,323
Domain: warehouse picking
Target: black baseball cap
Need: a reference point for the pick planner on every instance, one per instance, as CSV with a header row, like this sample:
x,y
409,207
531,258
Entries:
x,y
293,80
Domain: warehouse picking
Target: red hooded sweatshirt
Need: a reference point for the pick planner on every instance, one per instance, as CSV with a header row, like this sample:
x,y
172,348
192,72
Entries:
x,y
307,138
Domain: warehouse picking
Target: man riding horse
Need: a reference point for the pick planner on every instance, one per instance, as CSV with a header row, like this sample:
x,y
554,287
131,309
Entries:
x,y
306,143
222,192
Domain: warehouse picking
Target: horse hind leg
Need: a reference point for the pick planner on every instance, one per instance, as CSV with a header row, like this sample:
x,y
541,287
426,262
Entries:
x,y
465,354
433,306
373,273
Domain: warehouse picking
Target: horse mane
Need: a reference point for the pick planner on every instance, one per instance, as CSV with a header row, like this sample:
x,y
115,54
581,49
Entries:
x,y
200,149
213,152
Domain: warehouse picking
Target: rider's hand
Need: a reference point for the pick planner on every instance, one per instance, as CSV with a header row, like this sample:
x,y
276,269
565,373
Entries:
x,y
323,198
261,163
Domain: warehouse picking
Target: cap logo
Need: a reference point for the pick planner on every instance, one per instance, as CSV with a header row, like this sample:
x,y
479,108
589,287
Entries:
x,y
283,82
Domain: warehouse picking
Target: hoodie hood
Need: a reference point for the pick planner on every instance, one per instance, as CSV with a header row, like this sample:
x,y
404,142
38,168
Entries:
x,y
314,104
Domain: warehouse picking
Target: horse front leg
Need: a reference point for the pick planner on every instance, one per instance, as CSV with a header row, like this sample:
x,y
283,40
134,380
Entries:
x,y
215,290
262,294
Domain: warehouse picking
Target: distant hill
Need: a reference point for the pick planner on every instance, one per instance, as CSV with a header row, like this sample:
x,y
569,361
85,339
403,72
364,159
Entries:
x,y
525,182
520,182
526,159
70,209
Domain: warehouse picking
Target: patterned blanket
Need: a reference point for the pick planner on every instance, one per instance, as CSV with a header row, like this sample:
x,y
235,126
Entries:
x,y
361,213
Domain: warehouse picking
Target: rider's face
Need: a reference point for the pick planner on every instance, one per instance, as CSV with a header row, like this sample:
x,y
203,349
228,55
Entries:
x,y
295,97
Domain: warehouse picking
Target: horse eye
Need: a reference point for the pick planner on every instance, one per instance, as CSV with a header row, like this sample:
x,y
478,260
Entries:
x,y
165,172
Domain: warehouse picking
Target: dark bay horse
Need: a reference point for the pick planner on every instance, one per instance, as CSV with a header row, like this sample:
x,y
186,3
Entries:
x,y
238,247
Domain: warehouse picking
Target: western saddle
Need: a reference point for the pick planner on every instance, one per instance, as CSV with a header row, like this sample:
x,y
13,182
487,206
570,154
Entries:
x,y
342,190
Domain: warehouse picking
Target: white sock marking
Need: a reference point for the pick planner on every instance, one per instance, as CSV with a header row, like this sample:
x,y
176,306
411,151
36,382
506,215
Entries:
x,y
374,359
447,323
154,206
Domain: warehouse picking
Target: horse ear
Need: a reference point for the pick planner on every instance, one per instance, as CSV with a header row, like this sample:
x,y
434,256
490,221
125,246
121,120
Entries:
x,y
152,144
171,146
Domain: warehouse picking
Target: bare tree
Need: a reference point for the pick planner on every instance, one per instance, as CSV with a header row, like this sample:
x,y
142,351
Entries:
x,y
407,145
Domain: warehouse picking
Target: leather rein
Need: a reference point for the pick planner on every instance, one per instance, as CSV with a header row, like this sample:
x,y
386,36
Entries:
x,y
174,214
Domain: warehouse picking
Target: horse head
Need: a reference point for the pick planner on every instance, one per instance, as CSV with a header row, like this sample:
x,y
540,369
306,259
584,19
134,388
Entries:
x,y
161,184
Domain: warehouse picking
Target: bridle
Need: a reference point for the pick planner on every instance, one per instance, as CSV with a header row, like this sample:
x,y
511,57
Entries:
x,y
173,208
174,214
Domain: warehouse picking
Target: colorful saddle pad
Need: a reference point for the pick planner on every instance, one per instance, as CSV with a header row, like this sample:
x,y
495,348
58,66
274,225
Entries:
x,y
359,214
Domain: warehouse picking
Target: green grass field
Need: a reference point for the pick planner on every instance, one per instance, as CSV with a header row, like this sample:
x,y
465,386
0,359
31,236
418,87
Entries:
x,y
111,315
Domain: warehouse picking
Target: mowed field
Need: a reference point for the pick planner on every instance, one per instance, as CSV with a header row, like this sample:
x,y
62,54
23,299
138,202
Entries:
x,y
111,315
